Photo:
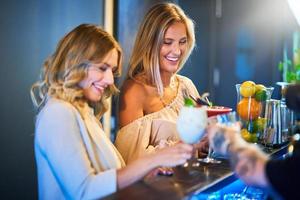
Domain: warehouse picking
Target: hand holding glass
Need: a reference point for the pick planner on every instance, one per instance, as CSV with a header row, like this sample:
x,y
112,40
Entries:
x,y
226,119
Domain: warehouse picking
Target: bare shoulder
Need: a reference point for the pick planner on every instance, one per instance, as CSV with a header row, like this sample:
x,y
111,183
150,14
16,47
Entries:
x,y
132,90
132,97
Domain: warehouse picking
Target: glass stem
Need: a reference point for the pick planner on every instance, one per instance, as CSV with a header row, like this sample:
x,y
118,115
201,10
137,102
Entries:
x,y
210,151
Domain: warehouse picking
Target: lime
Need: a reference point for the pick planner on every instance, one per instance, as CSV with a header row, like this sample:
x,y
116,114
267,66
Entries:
x,y
261,95
247,89
188,102
253,138
249,137
259,124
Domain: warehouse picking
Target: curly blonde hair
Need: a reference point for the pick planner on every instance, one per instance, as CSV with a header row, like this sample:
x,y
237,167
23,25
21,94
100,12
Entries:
x,y
145,54
62,71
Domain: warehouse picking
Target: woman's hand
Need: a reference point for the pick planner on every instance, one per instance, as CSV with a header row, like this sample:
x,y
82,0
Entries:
x,y
173,155
148,164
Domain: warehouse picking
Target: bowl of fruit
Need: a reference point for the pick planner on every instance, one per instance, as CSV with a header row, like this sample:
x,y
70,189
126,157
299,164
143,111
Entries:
x,y
251,101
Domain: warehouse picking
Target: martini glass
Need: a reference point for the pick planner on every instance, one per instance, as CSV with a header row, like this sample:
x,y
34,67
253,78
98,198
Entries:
x,y
228,119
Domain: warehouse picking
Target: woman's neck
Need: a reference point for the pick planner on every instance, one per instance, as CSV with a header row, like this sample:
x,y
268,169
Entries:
x,y
166,79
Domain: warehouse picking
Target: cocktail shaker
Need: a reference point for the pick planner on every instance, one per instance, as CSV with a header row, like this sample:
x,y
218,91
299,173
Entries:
x,y
273,134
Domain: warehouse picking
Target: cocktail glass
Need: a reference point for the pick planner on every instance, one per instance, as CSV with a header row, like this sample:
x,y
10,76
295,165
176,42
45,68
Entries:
x,y
228,119
191,124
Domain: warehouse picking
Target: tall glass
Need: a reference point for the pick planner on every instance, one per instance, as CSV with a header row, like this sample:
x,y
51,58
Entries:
x,y
251,111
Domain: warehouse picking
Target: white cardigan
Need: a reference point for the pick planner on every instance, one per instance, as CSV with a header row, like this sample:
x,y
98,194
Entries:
x,y
75,159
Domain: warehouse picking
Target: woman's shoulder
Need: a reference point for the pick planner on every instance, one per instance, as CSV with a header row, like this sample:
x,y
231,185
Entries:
x,y
183,79
133,88
56,108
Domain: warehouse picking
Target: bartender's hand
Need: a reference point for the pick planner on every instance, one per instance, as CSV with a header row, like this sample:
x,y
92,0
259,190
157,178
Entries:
x,y
249,164
202,147
222,137
246,159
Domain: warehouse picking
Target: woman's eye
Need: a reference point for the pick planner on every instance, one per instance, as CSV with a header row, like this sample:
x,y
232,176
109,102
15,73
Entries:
x,y
167,42
183,42
103,69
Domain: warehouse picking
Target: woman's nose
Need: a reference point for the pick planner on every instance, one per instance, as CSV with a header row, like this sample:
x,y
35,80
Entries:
x,y
109,78
176,49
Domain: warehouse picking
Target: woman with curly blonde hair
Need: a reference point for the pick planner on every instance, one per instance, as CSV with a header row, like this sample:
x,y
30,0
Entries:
x,y
75,159
152,93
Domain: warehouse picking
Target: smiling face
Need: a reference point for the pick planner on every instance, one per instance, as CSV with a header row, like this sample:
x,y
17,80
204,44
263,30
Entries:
x,y
173,48
99,77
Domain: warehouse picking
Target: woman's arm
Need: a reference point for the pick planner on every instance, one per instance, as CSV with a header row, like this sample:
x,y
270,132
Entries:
x,y
166,157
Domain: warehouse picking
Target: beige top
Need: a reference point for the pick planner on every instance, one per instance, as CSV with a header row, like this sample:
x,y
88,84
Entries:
x,y
75,159
144,134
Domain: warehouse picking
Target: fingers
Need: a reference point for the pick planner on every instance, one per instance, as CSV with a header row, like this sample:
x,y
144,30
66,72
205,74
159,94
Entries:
x,y
183,147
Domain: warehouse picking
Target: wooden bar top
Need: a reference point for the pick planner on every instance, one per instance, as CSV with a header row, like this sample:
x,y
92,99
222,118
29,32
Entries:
x,y
184,182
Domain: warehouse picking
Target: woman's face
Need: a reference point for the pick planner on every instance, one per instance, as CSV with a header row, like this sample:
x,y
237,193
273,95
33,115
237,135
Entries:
x,y
99,77
173,48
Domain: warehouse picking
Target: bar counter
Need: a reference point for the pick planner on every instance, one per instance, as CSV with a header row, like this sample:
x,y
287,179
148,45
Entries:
x,y
185,182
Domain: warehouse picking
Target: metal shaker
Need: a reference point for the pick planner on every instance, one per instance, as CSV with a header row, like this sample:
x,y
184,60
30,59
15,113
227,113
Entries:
x,y
273,134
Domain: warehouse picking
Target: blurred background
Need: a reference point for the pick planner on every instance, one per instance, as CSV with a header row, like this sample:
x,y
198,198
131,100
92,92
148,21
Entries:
x,y
237,40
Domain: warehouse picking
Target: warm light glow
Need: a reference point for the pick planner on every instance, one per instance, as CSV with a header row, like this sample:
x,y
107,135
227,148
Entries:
x,y
295,7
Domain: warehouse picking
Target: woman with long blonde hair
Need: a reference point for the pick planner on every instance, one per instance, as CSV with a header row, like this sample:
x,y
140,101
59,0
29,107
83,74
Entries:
x,y
152,93
75,159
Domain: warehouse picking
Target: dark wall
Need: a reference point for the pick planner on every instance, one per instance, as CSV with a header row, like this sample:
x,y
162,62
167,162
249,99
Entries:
x,y
237,40
29,33
129,16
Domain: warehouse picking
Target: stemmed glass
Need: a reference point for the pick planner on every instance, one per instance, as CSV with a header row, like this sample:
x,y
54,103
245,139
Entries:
x,y
226,119
191,124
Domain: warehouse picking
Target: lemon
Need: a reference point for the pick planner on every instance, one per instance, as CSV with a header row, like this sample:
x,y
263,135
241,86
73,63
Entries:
x,y
260,87
261,95
247,89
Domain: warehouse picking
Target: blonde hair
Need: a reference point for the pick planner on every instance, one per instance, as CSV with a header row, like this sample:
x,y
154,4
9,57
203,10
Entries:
x,y
76,51
145,55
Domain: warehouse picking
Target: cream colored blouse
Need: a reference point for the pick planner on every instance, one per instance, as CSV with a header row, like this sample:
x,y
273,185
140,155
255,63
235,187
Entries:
x,y
149,132
75,159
